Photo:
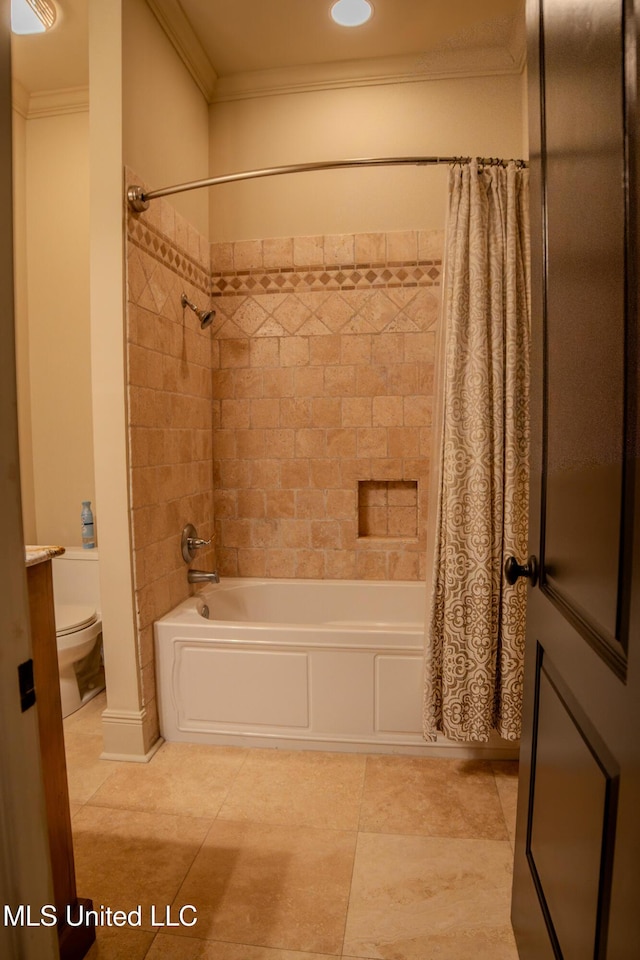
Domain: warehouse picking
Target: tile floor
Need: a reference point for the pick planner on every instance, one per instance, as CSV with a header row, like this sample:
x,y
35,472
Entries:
x,y
293,855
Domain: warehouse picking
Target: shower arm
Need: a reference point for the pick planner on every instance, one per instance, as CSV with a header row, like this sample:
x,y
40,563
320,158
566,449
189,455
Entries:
x,y
139,198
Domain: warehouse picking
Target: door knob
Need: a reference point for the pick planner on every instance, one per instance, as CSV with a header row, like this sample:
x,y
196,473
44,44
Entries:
x,y
513,570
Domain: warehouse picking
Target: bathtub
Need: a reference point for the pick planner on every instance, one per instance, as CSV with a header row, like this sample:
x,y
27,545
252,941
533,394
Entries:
x,y
313,664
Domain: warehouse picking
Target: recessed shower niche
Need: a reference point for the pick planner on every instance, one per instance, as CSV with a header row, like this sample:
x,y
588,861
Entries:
x,y
388,508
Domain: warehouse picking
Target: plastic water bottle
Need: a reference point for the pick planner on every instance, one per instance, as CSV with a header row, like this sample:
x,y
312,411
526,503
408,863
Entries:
x,y
88,534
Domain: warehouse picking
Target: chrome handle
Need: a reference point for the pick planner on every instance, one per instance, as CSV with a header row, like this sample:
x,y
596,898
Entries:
x,y
514,570
190,542
195,543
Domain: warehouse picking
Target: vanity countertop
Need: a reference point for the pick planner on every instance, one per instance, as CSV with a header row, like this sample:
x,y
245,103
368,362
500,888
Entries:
x,y
38,554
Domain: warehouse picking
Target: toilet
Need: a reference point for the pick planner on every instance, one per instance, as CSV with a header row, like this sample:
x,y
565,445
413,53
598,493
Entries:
x,y
76,594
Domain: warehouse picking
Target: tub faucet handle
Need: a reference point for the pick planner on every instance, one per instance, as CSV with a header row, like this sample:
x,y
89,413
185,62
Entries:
x,y
191,542
194,543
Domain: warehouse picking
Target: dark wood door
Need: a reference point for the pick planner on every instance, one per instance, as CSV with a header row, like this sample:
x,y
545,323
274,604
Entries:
x,y
577,869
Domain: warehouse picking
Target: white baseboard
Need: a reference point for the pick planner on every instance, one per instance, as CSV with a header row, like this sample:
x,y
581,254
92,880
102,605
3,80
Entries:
x,y
124,736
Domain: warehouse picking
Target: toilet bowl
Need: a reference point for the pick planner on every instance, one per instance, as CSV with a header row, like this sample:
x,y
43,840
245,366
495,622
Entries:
x,y
78,627
78,630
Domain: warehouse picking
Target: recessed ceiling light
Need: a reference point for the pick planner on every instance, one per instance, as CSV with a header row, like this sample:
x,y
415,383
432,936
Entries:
x,y
32,16
351,13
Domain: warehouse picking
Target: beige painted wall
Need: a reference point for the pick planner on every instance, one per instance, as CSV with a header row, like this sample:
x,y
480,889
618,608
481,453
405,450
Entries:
x,y
479,116
164,115
19,127
163,111
57,285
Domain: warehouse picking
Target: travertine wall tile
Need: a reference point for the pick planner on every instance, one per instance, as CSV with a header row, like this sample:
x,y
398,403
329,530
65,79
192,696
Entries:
x,y
247,255
370,248
324,380
339,248
402,246
278,252
308,251
171,411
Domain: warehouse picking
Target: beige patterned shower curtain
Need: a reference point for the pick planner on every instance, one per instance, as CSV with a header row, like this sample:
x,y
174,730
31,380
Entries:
x,y
475,626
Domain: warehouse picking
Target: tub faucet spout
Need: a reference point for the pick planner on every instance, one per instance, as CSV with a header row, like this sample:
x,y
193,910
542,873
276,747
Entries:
x,y
201,576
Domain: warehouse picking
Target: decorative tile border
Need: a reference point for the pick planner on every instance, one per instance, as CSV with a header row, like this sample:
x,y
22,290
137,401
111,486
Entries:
x,y
165,251
320,313
354,276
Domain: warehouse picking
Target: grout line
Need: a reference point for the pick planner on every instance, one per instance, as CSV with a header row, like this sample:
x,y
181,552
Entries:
x,y
233,781
148,951
367,757
355,852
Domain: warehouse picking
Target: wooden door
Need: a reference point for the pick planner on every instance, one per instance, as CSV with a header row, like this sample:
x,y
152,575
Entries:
x,y
577,869
24,848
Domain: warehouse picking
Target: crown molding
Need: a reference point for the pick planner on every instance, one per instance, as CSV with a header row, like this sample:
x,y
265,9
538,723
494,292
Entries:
x,y
55,103
49,103
436,65
179,31
19,98
449,62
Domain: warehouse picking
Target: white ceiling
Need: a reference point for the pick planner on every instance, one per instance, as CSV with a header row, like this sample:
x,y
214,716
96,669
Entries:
x,y
239,36
59,59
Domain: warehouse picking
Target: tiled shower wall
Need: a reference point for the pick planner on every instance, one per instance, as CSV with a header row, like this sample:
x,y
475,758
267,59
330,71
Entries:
x,y
170,416
322,403
303,415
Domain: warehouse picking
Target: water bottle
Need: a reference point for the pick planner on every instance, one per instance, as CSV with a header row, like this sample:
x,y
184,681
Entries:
x,y
88,534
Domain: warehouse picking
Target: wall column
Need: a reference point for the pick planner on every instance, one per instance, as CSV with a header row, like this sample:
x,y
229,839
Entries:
x,y
128,734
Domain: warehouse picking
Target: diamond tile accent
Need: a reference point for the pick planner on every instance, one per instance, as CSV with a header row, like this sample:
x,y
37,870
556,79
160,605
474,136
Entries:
x,y
157,246
326,278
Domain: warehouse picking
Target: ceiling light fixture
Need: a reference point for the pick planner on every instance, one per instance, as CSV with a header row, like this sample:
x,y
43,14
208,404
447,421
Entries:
x,y
351,13
32,16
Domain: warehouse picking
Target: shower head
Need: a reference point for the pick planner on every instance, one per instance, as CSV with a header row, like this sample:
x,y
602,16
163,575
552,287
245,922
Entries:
x,y
204,316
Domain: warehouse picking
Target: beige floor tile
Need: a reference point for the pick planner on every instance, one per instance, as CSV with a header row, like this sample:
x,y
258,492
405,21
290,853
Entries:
x,y
187,779
431,797
183,948
272,886
506,774
86,772
88,719
423,898
120,943
125,859
298,787
74,807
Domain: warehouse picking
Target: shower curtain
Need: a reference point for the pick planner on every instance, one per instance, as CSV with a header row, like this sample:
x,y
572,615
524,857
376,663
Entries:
x,y
475,626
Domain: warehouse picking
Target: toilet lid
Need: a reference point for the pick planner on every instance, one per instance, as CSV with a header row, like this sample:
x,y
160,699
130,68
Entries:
x,y
70,618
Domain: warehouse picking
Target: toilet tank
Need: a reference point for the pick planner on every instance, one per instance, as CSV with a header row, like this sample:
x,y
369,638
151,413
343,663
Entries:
x,y
76,577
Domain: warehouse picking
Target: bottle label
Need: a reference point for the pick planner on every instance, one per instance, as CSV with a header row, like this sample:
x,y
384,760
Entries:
x,y
88,538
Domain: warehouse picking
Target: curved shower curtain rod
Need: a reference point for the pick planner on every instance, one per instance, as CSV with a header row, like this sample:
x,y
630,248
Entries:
x,y
139,198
